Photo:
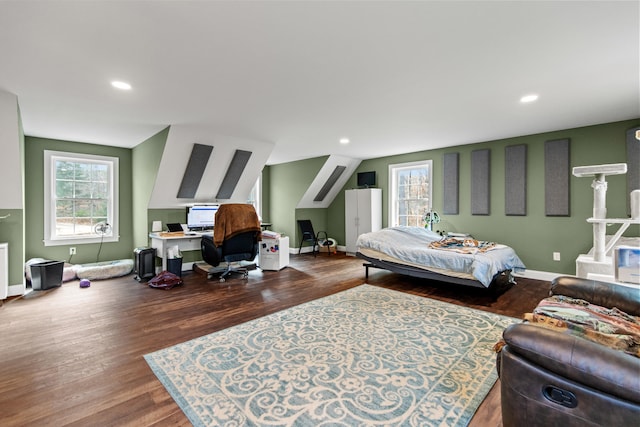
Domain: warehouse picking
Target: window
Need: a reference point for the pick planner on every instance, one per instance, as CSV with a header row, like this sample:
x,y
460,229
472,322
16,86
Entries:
x,y
409,192
255,197
81,191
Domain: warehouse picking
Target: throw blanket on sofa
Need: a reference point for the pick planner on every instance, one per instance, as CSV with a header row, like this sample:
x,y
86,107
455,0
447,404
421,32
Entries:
x,y
607,326
233,219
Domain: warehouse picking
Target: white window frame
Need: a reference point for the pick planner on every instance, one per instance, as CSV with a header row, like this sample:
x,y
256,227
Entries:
x,y
50,236
393,186
257,189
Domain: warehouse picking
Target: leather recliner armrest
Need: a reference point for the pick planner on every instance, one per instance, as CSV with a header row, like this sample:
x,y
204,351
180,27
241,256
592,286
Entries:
x,y
604,294
610,371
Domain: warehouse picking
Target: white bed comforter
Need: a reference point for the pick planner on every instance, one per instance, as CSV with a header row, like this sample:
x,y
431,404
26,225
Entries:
x,y
411,244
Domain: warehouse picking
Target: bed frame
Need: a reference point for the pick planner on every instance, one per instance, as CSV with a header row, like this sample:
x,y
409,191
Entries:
x,y
426,274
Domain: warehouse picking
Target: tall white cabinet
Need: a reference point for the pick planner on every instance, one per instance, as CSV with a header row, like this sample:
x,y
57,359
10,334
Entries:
x,y
363,213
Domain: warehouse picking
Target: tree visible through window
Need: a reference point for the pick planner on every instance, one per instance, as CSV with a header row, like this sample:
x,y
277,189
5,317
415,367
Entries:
x,y
82,196
82,193
410,192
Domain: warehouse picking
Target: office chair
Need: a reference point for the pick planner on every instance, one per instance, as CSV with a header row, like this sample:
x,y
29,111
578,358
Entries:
x,y
241,247
309,235
235,238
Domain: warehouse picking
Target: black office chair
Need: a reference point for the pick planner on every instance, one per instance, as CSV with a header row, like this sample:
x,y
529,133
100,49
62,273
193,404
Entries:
x,y
309,235
241,247
235,238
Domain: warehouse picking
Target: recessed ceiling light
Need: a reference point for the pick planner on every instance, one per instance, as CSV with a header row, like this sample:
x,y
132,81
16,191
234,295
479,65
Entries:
x,y
121,85
529,98
344,140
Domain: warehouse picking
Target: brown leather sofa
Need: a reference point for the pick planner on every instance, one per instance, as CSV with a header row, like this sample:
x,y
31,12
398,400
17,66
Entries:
x,y
550,378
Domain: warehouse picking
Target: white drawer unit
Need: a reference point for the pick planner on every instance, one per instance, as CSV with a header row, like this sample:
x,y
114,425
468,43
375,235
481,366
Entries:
x,y
274,253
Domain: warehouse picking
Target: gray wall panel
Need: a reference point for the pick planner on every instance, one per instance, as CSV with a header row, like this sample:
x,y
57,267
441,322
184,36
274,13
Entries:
x,y
556,177
515,180
450,183
330,183
633,164
200,154
236,167
633,160
480,182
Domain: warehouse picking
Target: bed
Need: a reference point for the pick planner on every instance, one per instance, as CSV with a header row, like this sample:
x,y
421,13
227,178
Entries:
x,y
418,252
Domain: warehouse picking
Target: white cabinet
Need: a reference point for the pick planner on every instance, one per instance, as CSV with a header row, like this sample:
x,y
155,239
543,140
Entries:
x,y
4,270
363,213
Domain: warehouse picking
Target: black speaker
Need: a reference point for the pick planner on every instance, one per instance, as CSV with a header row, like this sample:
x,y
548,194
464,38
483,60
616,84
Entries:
x,y
144,264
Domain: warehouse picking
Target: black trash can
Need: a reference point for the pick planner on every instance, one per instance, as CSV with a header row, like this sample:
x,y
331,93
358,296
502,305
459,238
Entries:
x,y
46,275
174,265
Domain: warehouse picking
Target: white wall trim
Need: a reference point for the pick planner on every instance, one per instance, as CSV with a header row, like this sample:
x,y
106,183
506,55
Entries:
x,y
15,290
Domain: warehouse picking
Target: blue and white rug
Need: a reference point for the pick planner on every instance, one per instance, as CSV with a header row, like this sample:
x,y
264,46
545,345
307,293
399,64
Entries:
x,y
367,356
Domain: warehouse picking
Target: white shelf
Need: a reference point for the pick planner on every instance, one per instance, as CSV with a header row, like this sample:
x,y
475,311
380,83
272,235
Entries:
x,y
614,220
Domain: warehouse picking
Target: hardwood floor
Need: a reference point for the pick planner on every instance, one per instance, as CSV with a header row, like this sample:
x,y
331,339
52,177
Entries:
x,y
74,357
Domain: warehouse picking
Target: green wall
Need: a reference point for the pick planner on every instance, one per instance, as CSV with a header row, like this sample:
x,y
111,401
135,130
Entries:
x,y
145,160
534,236
34,203
287,184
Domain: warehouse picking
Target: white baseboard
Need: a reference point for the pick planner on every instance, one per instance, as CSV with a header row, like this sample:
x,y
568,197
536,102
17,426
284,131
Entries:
x,y
538,275
307,250
15,290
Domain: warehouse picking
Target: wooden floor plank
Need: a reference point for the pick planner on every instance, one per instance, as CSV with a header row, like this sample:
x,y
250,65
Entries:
x,y
72,356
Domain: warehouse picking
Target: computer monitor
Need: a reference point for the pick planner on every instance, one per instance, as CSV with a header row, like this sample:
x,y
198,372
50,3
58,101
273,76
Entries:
x,y
201,217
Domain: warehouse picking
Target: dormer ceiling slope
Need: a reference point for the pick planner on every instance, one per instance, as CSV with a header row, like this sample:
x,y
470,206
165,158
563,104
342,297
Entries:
x,y
225,168
324,188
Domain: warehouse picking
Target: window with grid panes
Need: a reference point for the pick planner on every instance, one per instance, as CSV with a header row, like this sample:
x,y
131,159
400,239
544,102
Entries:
x,y
80,192
409,192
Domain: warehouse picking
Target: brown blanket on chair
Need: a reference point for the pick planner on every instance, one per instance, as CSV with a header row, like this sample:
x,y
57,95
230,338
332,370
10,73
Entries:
x,y
233,219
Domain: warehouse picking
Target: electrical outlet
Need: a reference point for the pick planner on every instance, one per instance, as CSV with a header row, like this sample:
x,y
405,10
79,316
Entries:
x,y
556,256
72,251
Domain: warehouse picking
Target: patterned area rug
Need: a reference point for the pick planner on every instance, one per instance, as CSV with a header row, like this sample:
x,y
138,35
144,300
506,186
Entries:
x,y
367,356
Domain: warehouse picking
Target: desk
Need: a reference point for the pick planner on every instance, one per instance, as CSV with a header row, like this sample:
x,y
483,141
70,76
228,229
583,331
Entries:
x,y
161,241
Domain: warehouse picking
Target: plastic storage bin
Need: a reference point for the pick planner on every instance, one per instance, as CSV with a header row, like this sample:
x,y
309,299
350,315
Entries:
x,y
174,265
46,275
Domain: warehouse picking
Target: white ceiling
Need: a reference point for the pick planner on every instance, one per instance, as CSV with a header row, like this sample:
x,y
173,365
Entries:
x,y
392,76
